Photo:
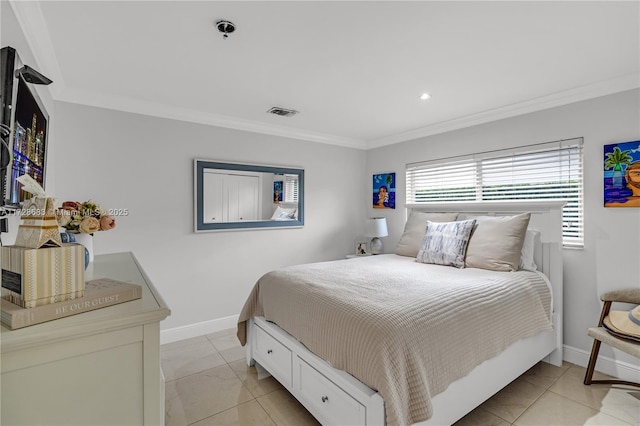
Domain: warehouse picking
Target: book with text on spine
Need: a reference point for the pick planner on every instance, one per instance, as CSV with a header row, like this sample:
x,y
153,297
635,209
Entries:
x,y
98,293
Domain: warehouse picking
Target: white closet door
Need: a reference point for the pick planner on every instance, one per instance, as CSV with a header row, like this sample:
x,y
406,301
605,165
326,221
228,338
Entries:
x,y
243,198
214,198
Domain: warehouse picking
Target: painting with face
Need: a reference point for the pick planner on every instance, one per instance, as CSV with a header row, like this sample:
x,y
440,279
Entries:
x,y
384,191
622,174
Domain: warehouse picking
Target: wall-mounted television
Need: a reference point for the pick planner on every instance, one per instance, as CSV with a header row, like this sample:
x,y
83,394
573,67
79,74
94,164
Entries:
x,y
24,121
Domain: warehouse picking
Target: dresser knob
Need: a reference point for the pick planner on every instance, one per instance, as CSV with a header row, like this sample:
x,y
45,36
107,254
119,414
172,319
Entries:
x,y
325,398
269,351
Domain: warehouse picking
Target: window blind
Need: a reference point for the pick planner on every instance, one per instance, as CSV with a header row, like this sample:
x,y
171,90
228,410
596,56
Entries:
x,y
536,172
290,188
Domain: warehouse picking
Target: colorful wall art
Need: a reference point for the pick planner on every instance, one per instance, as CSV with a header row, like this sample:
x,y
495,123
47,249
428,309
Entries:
x,y
384,191
277,192
622,174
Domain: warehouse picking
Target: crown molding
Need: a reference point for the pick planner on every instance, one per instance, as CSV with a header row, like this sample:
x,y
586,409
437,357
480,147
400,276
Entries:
x,y
137,106
582,93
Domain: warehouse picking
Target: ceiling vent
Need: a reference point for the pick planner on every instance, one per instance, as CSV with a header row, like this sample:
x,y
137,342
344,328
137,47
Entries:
x,y
284,112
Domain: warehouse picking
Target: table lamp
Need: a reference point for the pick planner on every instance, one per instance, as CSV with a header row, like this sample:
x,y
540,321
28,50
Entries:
x,y
376,228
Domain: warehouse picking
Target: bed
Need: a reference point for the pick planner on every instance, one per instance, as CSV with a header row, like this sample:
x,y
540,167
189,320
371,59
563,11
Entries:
x,y
391,340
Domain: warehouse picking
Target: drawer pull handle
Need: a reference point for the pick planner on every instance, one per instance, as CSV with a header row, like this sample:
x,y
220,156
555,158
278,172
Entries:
x,y
269,351
325,398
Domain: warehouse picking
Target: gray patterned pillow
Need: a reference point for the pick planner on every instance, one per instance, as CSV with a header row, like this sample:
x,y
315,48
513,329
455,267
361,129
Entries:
x,y
445,243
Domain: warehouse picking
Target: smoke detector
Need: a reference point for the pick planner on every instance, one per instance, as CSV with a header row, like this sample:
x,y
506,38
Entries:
x,y
283,112
225,27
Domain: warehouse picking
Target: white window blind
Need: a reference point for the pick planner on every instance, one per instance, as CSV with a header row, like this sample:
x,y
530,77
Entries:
x,y
537,172
290,188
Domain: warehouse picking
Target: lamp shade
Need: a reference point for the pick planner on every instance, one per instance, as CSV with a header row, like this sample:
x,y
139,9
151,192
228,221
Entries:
x,y
376,227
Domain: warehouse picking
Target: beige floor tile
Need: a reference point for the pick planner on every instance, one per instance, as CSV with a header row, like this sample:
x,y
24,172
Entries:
x,y
285,410
234,354
622,402
209,383
222,333
255,378
513,399
481,417
224,341
248,414
202,395
190,356
554,409
544,374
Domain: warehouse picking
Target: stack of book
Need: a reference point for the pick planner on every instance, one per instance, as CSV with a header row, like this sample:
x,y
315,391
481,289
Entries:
x,y
98,293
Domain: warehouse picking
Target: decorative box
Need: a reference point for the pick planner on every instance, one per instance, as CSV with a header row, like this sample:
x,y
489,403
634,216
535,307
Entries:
x,y
39,225
34,277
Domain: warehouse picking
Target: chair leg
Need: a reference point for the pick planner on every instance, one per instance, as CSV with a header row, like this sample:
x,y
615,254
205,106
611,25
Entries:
x,y
588,377
592,362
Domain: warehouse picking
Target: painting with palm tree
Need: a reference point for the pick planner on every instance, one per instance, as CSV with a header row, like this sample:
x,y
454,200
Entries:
x,y
622,174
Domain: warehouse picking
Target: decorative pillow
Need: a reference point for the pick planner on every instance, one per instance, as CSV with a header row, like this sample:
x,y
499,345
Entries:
x,y
446,243
496,242
282,213
526,255
415,228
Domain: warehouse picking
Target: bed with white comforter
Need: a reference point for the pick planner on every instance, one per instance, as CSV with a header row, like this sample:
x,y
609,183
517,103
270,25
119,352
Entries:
x,y
403,328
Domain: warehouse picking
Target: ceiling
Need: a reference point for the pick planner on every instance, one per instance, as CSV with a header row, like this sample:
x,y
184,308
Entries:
x,y
354,70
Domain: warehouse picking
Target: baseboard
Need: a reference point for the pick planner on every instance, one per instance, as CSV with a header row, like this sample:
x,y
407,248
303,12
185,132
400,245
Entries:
x,y
197,329
620,369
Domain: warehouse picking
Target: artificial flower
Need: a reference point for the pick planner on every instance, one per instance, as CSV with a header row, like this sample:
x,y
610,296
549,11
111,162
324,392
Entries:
x,y
87,217
89,225
107,222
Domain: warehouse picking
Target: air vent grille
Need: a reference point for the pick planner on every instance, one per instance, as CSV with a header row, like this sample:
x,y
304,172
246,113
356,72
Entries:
x,y
284,112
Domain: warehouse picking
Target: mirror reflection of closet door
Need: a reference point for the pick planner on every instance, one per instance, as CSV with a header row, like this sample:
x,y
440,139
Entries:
x,y
243,199
231,197
213,204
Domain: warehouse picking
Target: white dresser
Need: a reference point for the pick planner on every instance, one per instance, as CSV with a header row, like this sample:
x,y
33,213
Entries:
x,y
97,368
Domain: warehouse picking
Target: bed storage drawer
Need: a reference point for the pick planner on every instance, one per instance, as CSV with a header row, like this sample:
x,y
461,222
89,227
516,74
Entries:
x,y
326,400
274,356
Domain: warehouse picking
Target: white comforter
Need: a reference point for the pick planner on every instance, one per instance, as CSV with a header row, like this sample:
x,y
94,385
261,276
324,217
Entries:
x,y
403,328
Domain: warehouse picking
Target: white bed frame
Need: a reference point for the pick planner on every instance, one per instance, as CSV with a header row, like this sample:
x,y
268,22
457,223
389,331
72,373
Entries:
x,y
463,395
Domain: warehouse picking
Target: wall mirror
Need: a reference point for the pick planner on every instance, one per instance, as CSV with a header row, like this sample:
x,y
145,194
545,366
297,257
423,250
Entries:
x,y
231,196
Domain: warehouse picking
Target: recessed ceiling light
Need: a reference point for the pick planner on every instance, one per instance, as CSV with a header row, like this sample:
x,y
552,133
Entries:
x,y
425,96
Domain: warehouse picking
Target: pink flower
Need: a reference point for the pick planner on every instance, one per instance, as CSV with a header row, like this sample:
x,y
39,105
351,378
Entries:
x,y
107,222
71,205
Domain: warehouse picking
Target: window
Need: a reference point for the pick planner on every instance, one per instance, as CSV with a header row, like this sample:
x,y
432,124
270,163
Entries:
x,y
290,188
548,171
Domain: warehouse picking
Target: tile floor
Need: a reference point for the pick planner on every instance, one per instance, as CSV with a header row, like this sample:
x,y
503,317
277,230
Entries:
x,y
209,383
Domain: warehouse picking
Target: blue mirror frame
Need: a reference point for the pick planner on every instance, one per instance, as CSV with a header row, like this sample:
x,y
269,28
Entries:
x,y
199,169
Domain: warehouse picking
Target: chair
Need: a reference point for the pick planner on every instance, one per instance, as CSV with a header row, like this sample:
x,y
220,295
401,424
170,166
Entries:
x,y
600,334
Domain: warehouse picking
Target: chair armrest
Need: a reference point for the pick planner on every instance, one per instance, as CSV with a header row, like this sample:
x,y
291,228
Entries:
x,y
628,295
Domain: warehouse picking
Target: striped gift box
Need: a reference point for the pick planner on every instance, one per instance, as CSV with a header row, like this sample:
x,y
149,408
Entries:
x,y
34,277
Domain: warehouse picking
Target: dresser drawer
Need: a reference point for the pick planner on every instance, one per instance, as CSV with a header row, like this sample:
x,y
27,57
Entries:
x,y
274,356
328,402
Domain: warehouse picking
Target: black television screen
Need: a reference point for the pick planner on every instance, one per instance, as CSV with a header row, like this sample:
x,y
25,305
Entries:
x,y
26,121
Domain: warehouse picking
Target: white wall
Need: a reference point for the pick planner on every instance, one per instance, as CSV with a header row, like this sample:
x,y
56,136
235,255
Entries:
x,y
600,121
145,164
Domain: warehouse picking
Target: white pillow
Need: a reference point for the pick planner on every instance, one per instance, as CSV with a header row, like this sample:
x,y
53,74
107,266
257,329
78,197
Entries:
x,y
415,228
526,256
282,213
445,243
